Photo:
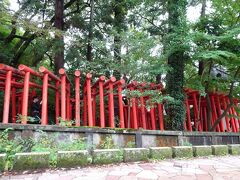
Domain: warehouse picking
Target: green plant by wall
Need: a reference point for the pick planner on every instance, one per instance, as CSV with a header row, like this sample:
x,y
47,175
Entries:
x,y
77,144
29,119
185,143
130,144
10,147
107,143
46,143
65,122
26,144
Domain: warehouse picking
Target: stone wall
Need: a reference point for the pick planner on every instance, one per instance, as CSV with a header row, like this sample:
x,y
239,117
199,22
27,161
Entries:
x,y
94,137
69,159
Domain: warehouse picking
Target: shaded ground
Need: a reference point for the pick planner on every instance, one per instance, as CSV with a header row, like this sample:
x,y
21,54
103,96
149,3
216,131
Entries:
x,y
216,168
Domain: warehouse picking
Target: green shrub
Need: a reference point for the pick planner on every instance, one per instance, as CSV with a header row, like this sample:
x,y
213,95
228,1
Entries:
x,y
10,147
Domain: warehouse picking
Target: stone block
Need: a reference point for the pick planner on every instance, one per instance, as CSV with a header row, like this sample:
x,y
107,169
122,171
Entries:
x,y
220,150
3,158
160,152
182,151
31,161
234,149
135,154
69,159
166,141
202,151
107,156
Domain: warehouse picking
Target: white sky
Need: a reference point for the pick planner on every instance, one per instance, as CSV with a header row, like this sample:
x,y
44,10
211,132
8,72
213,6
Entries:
x,y
193,13
14,5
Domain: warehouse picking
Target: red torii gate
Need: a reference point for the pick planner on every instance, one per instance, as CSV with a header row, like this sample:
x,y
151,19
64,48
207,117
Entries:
x,y
17,83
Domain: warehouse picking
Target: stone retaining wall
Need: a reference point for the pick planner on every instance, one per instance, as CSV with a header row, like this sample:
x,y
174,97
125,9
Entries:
x,y
30,161
123,138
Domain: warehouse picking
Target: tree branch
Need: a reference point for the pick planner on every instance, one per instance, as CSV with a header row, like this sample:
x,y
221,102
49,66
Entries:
x,y
209,108
21,37
67,5
26,40
78,10
11,36
21,50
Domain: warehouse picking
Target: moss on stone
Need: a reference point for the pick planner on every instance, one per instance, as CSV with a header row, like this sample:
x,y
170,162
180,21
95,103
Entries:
x,y
2,161
28,161
182,151
202,151
106,142
73,158
107,156
120,130
220,150
160,152
135,154
234,149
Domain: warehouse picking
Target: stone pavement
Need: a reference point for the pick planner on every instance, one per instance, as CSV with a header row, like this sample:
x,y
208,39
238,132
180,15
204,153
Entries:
x,y
216,168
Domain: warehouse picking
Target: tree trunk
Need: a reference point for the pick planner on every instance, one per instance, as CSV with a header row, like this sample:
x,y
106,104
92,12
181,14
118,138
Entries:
x,y
176,61
208,101
201,65
159,78
59,23
117,56
90,33
119,19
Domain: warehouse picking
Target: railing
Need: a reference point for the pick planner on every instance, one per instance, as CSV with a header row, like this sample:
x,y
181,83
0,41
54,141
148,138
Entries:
x,y
104,102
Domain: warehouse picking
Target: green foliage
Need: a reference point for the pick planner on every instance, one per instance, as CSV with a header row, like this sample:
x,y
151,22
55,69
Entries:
x,y
46,143
29,119
26,144
132,38
156,96
130,144
216,43
77,144
218,55
10,147
177,46
107,143
186,143
65,122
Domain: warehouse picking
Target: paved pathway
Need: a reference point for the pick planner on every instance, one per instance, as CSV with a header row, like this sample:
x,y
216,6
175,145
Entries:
x,y
216,168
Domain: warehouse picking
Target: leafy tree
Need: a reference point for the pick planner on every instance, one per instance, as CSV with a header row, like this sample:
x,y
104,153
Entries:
x,y
217,46
177,47
134,39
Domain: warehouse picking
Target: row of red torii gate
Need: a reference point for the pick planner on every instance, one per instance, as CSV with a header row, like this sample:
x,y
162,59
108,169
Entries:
x,y
100,103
